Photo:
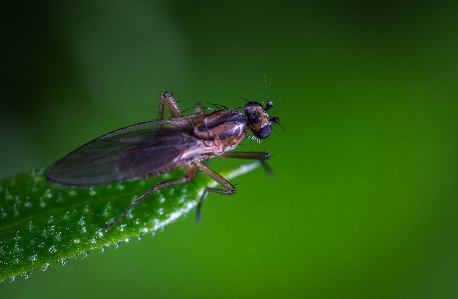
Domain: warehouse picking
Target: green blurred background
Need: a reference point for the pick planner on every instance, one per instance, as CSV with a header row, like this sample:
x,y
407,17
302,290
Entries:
x,y
364,200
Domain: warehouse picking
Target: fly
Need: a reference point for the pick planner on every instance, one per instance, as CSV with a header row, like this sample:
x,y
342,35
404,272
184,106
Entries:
x,y
153,148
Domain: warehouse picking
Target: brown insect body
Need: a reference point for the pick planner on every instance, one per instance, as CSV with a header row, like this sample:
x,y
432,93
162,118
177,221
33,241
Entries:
x,y
222,130
153,148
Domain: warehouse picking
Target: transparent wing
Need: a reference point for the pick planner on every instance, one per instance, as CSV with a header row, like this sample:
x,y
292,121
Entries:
x,y
143,150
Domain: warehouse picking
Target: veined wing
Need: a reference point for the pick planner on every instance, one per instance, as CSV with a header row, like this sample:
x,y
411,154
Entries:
x,y
139,151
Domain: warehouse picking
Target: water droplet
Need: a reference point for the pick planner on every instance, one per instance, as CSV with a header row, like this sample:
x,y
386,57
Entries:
x,y
59,197
16,213
27,203
86,255
50,220
64,261
122,227
76,241
102,249
45,267
119,186
26,275
48,193
7,194
12,278
81,221
33,257
30,225
40,172
66,215
117,244
42,203
92,191
34,188
57,237
127,240
83,230
72,192
52,249
86,209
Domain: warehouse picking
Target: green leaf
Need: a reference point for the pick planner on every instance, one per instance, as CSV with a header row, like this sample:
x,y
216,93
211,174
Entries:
x,y
41,224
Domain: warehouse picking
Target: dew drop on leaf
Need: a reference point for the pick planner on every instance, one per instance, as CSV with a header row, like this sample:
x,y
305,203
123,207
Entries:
x,y
45,267
48,193
16,213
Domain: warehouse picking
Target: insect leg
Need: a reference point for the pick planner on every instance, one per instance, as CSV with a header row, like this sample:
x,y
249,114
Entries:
x,y
229,188
247,155
190,174
197,108
261,156
171,104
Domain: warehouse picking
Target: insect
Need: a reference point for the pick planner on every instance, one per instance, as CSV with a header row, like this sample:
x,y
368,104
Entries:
x,y
153,148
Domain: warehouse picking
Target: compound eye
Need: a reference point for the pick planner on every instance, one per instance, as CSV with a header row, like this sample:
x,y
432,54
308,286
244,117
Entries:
x,y
264,132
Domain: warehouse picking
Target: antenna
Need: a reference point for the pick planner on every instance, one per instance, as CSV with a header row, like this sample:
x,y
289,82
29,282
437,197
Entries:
x,y
269,103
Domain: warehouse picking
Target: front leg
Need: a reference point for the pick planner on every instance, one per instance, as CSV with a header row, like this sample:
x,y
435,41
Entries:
x,y
261,156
